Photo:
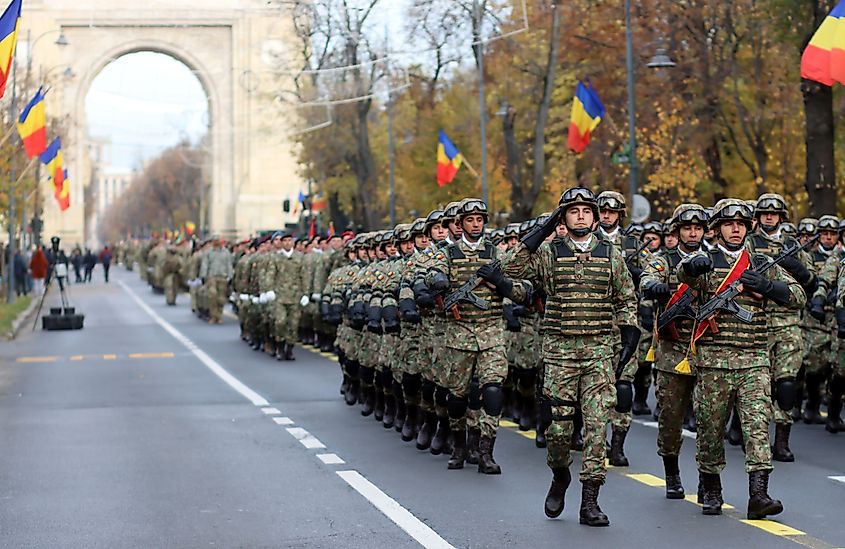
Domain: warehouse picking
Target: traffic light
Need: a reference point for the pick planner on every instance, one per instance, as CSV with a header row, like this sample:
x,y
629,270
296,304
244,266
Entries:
x,y
286,206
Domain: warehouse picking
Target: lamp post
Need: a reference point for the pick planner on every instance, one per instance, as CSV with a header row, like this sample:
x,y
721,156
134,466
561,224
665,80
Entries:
x,y
660,60
478,14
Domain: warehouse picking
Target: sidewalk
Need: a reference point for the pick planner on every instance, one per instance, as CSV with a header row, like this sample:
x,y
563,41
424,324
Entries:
x,y
13,317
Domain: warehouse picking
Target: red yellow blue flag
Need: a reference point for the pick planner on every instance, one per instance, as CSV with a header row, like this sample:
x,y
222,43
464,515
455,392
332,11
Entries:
x,y
8,40
32,126
449,160
823,59
63,194
587,112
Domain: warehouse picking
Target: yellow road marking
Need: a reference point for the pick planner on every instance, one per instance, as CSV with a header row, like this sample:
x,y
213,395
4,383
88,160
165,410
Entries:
x,y
775,528
109,357
151,355
77,358
647,479
31,359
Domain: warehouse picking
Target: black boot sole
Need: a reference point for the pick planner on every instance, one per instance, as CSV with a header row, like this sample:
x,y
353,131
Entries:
x,y
774,509
595,523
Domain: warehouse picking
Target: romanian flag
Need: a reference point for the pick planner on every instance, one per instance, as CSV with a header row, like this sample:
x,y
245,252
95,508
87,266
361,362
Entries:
x,y
190,227
319,202
8,40
63,195
587,112
52,158
32,126
331,229
449,160
823,59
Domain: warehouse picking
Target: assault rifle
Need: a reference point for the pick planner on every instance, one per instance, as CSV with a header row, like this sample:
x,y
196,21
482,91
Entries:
x,y
680,309
726,301
639,250
466,294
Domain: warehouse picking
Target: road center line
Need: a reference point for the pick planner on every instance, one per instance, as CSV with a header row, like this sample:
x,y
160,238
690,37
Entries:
x,y
403,518
203,357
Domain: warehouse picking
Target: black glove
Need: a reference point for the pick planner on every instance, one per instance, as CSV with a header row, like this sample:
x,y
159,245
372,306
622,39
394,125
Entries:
x,y
647,317
324,311
542,231
358,315
492,273
374,319
439,282
390,316
511,322
773,289
840,323
335,314
408,310
797,269
659,292
630,340
423,295
636,275
698,265
520,310
817,308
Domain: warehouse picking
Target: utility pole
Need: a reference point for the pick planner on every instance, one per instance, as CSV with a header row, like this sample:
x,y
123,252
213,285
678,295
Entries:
x,y
632,115
478,14
10,275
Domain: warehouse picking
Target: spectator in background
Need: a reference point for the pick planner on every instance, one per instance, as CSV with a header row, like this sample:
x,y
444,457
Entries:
x,y
105,259
90,261
38,266
20,273
76,262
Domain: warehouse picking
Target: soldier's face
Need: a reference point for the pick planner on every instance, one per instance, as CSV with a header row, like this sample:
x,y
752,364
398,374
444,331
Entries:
x,y
421,241
653,240
733,231
287,243
828,239
671,240
455,229
380,254
690,234
609,217
511,242
579,217
769,219
390,249
362,254
439,232
503,246
336,243
473,226
406,247
371,253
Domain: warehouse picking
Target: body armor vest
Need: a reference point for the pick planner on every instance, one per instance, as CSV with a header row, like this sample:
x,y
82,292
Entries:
x,y
581,303
771,248
463,268
682,325
732,331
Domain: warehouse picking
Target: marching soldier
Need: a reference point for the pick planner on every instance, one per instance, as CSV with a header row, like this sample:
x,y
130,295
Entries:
x,y
733,360
589,293
290,285
216,271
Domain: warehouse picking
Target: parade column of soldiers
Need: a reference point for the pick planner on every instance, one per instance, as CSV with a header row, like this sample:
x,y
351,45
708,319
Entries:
x,y
561,322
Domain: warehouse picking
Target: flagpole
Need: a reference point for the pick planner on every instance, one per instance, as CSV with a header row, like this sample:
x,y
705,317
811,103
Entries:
x,y
10,277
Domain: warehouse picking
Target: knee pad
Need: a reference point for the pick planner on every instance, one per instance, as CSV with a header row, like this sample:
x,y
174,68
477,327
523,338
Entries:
x,y
428,390
457,407
786,392
352,368
366,374
474,395
411,384
441,396
493,399
624,396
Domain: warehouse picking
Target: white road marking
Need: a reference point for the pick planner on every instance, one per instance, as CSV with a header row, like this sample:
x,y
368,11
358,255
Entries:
x,y
271,411
283,421
305,438
838,478
203,357
403,518
654,424
330,459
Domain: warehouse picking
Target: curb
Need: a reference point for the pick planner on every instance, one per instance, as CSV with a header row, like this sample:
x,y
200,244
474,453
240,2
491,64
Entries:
x,y
21,319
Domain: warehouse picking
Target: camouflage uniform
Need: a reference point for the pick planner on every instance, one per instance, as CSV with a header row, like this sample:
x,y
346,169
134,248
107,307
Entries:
x,y
170,270
216,270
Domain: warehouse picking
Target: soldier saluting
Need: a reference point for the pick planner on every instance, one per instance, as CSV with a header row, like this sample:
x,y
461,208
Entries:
x,y
587,286
733,360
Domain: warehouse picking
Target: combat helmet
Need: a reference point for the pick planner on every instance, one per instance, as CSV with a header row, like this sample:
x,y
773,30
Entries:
x,y
808,226
731,208
689,214
577,196
771,203
613,201
828,223
434,218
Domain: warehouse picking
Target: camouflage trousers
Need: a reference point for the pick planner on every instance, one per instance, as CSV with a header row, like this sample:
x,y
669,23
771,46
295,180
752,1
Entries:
x,y
243,315
818,355
623,420
218,291
432,363
171,288
674,394
192,291
786,351
489,366
750,391
577,372
285,321
838,352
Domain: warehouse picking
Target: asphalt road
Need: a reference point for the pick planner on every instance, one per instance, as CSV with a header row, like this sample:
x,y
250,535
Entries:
x,y
151,429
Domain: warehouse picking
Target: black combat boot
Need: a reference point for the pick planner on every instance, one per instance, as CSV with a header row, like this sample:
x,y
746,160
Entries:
x,y
735,430
289,351
389,411
486,463
352,390
257,344
834,406
441,436
280,352
369,395
811,415
617,448
378,408
517,406
529,417
427,431
577,437
344,383
399,423
473,437
557,491
640,405
591,513
711,496
674,488
410,426
780,449
799,396
540,438
691,424
459,449
760,503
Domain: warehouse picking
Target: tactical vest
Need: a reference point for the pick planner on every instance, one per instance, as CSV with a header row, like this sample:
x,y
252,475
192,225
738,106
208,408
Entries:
x,y
581,303
819,259
732,331
463,268
682,325
771,248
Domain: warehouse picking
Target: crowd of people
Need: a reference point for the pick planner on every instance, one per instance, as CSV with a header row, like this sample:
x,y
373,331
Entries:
x,y
562,322
31,266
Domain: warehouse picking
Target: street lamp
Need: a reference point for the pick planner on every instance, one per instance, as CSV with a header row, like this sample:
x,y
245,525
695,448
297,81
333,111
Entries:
x,y
660,60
